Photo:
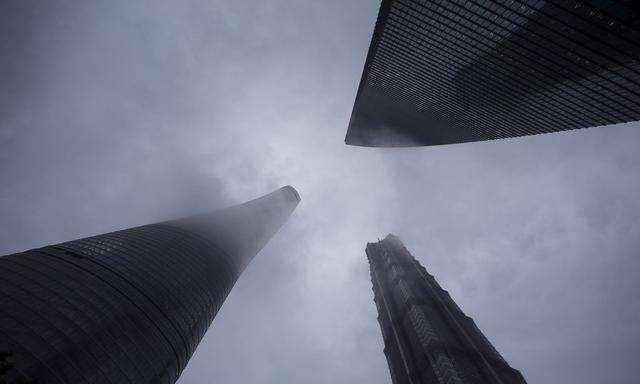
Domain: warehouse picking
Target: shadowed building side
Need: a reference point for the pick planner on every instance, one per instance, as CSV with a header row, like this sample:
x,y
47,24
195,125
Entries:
x,y
427,337
129,306
453,71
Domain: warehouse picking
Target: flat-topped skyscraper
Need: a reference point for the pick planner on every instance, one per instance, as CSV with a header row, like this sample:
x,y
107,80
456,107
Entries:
x,y
129,306
427,337
453,71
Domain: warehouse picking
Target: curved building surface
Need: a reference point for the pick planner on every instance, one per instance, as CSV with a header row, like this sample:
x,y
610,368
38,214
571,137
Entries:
x,y
453,71
129,306
427,337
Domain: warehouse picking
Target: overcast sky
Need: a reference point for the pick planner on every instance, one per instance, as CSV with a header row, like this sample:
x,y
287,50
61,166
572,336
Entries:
x,y
124,112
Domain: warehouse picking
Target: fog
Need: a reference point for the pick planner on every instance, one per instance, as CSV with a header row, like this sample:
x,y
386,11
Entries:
x,y
122,113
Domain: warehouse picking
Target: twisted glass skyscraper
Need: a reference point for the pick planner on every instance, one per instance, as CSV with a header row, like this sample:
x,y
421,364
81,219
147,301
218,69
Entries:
x,y
452,71
129,306
427,337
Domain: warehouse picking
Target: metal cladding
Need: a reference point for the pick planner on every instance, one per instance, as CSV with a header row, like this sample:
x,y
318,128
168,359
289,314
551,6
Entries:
x,y
427,337
129,306
453,71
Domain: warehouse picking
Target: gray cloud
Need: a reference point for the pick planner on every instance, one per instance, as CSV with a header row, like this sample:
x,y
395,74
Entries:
x,y
120,113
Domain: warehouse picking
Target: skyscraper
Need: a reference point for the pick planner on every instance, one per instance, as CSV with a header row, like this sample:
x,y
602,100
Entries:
x,y
427,337
453,71
129,306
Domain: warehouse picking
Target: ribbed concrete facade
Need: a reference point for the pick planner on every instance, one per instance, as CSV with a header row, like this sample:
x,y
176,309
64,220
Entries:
x,y
129,306
453,71
427,337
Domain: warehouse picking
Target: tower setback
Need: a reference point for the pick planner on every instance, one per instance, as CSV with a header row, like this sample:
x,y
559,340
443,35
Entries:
x,y
453,71
427,337
129,306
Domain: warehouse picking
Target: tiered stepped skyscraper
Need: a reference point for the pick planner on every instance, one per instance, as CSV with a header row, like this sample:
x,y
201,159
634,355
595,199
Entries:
x,y
129,306
427,337
453,71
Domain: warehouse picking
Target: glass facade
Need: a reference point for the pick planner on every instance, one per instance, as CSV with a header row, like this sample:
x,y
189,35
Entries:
x,y
129,306
427,338
452,71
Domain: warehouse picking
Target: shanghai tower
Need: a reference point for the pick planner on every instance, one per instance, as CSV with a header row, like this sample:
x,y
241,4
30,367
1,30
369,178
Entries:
x,y
129,306
427,337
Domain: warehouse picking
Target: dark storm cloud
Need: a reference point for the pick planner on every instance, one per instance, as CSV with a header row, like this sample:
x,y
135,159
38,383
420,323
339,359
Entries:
x,y
120,113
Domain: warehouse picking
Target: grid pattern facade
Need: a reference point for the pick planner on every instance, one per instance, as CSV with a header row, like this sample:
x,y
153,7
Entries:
x,y
124,307
427,337
452,71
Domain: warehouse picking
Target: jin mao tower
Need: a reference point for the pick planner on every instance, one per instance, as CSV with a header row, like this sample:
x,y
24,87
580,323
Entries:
x,y
427,337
